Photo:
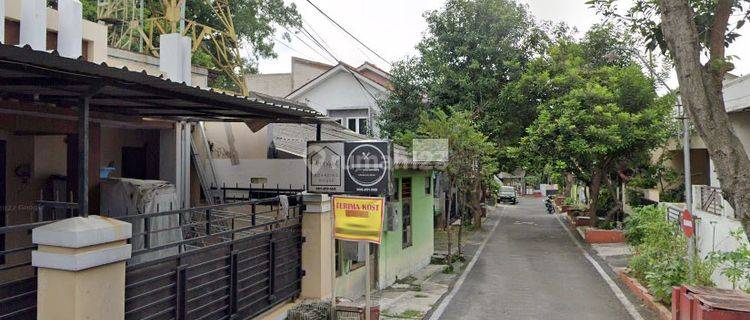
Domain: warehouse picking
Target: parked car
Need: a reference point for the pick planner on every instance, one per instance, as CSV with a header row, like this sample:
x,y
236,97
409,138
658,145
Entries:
x,y
508,194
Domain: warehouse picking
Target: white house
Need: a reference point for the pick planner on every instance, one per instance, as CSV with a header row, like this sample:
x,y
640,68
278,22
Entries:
x,y
715,218
344,93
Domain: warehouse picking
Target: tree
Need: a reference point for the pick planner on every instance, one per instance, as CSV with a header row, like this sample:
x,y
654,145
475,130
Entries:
x,y
471,51
604,117
471,164
684,30
255,22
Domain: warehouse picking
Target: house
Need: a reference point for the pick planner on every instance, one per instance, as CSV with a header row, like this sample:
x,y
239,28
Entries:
x,y
68,125
347,94
715,218
408,235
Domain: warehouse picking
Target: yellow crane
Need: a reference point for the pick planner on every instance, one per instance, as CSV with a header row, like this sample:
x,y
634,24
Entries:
x,y
136,26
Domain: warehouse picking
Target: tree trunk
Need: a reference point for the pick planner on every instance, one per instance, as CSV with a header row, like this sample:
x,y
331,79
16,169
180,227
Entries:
x,y
477,199
618,203
701,92
568,188
448,220
596,184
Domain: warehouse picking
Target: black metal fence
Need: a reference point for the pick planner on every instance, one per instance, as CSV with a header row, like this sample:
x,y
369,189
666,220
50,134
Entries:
x,y
212,262
18,279
235,261
262,191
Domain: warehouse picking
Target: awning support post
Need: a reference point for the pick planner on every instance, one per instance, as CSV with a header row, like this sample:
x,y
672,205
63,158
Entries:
x,y
83,157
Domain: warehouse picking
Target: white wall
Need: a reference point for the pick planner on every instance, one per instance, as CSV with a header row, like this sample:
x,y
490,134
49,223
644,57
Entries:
x,y
339,91
277,171
714,233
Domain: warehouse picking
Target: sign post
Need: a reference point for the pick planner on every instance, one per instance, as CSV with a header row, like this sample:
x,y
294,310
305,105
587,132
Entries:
x,y
360,219
687,225
353,167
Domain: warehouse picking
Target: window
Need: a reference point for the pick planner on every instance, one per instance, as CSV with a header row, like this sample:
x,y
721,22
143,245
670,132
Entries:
x,y
395,189
362,126
358,125
427,185
406,237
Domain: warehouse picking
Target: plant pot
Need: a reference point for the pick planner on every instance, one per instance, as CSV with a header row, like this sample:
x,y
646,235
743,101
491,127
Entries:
x,y
604,236
565,208
581,221
559,200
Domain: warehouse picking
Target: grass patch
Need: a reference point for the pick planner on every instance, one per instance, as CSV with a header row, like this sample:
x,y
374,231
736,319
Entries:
x,y
407,280
411,314
448,269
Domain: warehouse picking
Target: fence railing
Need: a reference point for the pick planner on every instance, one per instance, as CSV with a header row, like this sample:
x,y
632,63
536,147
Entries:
x,y
262,191
711,200
236,261
187,239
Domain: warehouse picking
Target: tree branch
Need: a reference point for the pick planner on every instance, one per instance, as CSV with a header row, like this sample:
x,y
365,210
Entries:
x,y
719,29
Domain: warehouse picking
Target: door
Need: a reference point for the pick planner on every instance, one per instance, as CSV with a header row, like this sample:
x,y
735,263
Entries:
x,y
406,228
2,197
134,162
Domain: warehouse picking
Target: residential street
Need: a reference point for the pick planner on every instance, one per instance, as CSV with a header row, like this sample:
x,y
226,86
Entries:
x,y
531,269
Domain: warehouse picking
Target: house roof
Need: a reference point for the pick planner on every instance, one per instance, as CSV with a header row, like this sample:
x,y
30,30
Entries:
x,y
325,75
39,76
292,139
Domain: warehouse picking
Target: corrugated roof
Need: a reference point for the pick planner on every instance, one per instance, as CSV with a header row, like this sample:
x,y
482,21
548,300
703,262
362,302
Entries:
x,y
39,76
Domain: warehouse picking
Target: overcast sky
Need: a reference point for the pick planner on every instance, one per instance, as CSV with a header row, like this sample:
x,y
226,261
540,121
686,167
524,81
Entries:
x,y
393,27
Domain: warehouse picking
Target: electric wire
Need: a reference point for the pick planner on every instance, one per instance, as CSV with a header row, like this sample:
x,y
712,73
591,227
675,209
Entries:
x,y
348,33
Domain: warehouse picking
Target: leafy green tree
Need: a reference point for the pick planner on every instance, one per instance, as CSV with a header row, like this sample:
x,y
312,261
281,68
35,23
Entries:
x,y
471,162
471,51
255,21
602,118
687,31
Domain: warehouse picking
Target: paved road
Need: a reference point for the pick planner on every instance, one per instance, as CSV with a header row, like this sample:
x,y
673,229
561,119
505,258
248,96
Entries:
x,y
531,269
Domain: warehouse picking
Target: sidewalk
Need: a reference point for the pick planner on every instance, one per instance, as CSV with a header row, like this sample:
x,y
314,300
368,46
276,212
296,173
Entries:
x,y
414,297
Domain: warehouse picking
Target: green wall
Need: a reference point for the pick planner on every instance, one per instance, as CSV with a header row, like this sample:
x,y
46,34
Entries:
x,y
395,261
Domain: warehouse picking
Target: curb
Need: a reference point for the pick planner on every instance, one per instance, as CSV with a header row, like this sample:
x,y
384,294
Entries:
x,y
642,294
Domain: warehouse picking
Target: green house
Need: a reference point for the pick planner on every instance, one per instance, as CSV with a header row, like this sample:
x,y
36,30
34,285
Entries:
x,y
408,234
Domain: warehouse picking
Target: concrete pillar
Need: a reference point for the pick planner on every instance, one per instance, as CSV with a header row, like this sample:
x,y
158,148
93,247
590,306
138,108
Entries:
x,y
81,268
70,30
175,57
34,24
174,160
317,249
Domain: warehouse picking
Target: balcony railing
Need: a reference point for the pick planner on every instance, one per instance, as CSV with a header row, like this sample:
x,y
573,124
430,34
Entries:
x,y
710,200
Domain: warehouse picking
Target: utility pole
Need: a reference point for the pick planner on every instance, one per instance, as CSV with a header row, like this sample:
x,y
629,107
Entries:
x,y
688,181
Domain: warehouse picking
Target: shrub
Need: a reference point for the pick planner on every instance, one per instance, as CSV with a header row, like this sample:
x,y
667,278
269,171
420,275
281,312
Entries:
x,y
660,260
569,202
735,264
636,223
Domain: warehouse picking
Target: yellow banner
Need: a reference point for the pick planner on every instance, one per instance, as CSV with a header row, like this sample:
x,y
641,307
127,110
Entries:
x,y
358,218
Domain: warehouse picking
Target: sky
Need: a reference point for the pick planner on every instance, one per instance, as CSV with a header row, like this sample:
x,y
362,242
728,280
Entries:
x,y
393,27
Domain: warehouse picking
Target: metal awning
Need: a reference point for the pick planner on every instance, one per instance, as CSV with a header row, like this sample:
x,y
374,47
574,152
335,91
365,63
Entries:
x,y
39,76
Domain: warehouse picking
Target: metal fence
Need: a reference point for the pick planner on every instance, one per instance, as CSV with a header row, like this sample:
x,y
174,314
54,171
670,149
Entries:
x,y
262,191
211,262
235,261
18,279
711,200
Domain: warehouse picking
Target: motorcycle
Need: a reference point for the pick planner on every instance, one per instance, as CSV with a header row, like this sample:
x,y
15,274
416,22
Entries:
x,y
550,205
